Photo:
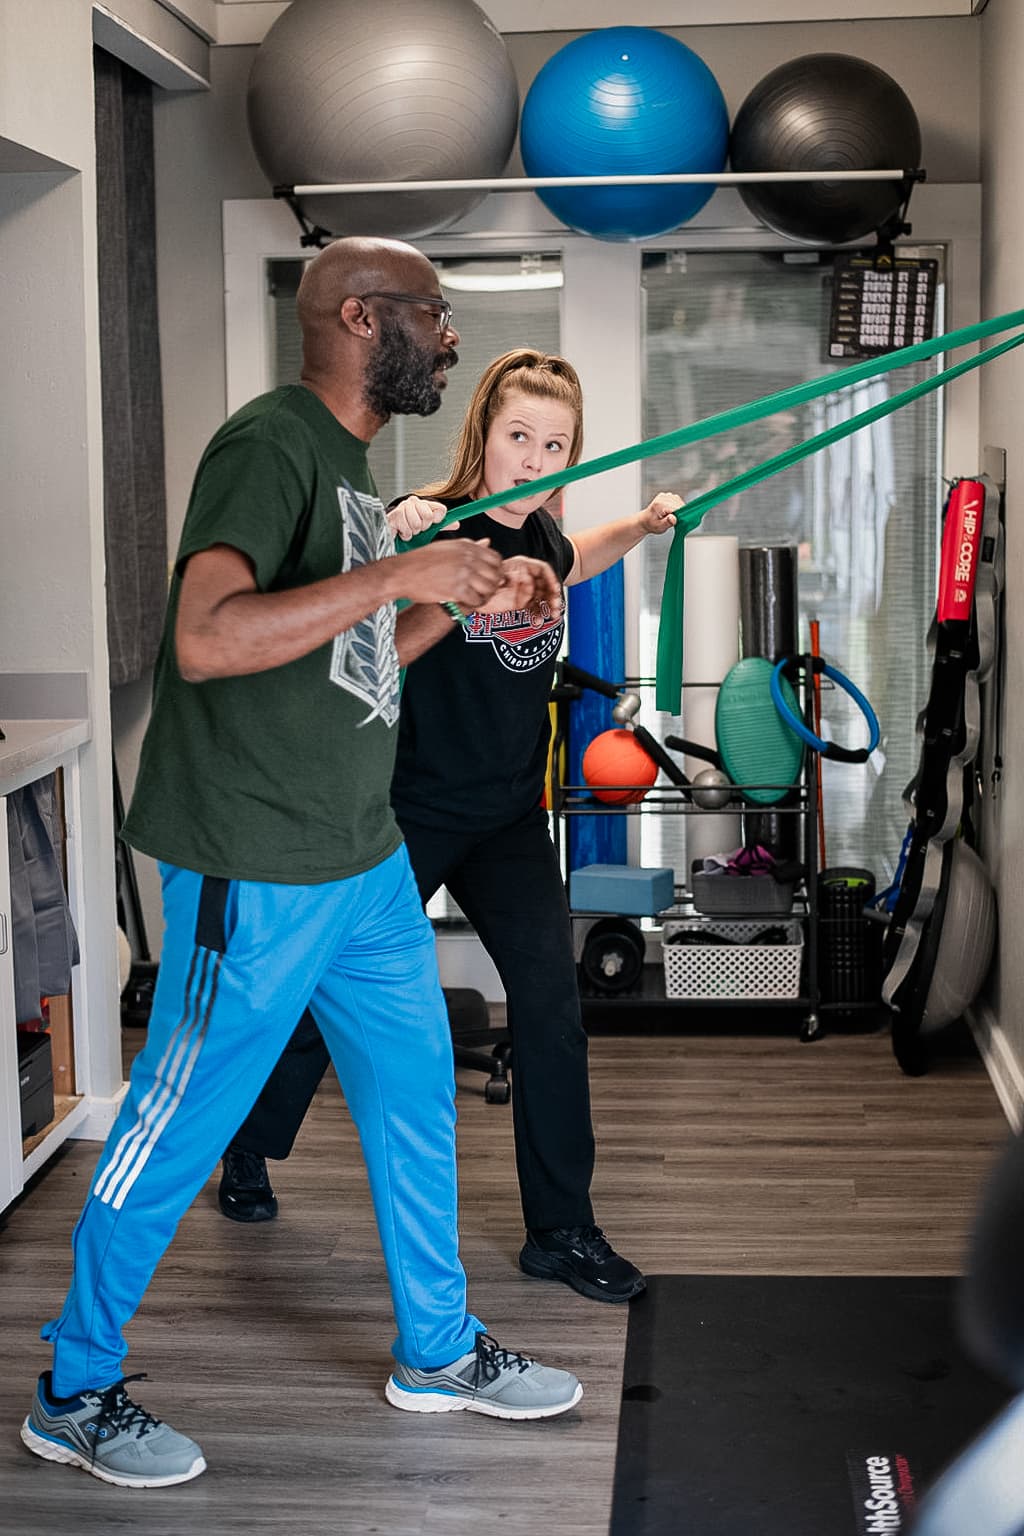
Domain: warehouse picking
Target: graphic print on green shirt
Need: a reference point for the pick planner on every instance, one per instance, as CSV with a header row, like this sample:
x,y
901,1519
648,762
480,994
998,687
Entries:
x,y
364,660
280,775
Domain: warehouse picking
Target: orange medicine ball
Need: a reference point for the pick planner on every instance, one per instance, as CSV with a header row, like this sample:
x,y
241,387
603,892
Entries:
x,y
616,757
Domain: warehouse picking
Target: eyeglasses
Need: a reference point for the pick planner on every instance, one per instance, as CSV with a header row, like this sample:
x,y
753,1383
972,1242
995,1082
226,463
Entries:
x,y
441,309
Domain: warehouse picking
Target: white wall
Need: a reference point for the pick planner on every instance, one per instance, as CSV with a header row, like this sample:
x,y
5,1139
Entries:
x,y
52,597
1002,412
52,615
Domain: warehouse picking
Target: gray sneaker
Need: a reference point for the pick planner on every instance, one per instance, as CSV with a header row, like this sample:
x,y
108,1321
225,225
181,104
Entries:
x,y
105,1433
487,1380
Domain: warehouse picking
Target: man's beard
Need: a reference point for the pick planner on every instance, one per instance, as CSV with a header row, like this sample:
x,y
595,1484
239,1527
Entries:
x,y
399,379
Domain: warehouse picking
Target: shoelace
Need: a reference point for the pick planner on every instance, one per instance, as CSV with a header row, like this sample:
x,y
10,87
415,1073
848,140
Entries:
x,y
118,1410
248,1170
491,1360
590,1239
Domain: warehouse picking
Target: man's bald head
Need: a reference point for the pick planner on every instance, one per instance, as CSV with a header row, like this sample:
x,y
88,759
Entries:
x,y
350,267
377,337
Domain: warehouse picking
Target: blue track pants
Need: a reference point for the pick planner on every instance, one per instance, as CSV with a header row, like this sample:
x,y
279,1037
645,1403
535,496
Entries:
x,y
240,961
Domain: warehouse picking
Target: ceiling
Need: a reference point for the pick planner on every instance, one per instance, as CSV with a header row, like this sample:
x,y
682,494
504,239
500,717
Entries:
x,y
247,21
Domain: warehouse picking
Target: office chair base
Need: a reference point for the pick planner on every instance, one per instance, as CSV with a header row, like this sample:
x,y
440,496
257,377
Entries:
x,y
477,1047
498,1088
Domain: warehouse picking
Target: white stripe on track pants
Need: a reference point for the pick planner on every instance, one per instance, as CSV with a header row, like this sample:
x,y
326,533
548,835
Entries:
x,y
240,962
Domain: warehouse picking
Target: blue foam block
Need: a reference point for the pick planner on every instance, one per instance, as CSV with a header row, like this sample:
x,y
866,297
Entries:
x,y
623,888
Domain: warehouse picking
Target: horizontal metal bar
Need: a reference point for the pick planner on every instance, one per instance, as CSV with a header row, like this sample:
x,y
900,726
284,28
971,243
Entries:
x,y
530,183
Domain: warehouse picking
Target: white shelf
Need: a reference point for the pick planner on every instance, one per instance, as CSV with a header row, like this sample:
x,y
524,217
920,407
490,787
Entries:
x,y
45,721
33,748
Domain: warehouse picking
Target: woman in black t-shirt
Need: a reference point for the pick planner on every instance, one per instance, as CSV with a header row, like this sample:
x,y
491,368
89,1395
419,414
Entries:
x,y
472,752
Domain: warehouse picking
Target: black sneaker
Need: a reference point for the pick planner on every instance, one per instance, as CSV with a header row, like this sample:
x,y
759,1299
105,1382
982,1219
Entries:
x,y
245,1193
585,1259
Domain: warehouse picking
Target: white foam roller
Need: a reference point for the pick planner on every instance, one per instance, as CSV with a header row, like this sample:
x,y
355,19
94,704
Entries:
x,y
711,645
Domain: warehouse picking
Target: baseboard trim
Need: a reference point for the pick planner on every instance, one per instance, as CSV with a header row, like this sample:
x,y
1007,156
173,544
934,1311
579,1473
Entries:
x,y
1001,1063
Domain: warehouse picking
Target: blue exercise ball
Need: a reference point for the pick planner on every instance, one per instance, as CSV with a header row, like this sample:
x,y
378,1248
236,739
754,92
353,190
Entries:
x,y
624,101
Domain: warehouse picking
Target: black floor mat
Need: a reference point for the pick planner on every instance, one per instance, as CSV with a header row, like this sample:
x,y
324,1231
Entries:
x,y
776,1406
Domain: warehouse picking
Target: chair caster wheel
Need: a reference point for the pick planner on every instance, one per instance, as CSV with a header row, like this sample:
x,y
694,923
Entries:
x,y
810,1029
497,1090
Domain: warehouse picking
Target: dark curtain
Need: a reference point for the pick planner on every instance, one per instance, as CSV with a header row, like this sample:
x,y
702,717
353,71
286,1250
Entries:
x,y
134,498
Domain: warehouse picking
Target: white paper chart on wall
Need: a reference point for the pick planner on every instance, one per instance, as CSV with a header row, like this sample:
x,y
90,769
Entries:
x,y
880,300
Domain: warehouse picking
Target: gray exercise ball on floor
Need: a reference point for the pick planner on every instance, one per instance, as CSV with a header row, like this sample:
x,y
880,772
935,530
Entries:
x,y
383,90
966,942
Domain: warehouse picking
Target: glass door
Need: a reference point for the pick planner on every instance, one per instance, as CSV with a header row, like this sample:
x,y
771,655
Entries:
x,y
721,328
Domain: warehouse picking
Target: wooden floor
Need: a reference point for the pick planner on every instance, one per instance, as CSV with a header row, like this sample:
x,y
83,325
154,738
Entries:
x,y
270,1344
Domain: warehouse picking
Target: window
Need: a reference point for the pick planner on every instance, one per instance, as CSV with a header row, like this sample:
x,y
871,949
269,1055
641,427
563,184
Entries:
x,y
721,328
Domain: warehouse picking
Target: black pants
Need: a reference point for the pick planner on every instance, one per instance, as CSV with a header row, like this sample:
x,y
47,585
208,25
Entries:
x,y
509,885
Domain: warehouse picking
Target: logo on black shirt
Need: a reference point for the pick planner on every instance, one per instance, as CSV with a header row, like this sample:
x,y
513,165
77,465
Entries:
x,y
522,639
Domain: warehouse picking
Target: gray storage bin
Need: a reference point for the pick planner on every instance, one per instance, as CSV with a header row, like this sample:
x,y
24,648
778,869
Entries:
x,y
742,894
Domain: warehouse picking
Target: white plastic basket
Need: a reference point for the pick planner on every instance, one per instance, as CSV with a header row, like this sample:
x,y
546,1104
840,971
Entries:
x,y
734,970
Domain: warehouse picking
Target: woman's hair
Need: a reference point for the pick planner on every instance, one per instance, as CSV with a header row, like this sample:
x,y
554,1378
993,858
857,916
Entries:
x,y
524,371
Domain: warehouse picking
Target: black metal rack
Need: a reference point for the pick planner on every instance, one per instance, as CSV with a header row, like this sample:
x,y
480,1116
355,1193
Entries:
x,y
800,801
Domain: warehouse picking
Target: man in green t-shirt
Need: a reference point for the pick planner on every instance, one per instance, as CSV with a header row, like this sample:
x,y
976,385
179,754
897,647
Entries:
x,y
263,791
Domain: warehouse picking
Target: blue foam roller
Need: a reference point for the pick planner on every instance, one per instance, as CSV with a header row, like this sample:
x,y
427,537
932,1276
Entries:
x,y
597,643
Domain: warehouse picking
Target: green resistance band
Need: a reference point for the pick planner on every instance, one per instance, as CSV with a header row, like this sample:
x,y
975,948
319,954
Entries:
x,y
669,666
669,669
736,416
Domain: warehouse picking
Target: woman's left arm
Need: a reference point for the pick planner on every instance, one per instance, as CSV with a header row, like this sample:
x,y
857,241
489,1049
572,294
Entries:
x,y
598,548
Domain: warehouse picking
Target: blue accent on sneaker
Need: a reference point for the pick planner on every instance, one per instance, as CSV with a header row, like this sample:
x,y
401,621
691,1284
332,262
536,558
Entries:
x,y
490,1380
105,1433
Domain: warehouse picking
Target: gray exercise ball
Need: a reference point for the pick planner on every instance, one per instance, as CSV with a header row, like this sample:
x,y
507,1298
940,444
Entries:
x,y
383,90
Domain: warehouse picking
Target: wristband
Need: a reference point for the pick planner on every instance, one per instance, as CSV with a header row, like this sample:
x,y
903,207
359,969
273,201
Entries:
x,y
455,612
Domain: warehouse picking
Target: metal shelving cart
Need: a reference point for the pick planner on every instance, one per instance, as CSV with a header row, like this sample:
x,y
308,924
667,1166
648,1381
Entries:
x,y
804,1004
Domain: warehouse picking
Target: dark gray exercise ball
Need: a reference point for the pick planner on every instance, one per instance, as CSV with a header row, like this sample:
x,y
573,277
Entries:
x,y
966,942
383,90
824,112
